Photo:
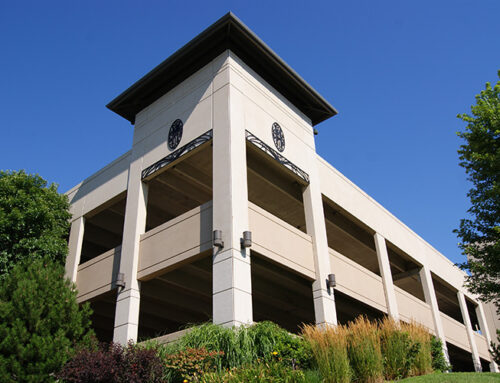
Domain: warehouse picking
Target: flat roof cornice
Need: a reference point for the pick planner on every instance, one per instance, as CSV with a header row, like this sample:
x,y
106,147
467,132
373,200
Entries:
x,y
226,33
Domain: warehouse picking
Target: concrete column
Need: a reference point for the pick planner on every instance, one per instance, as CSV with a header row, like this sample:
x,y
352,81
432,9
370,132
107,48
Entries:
x,y
431,300
470,331
486,332
128,298
75,248
232,279
324,301
385,272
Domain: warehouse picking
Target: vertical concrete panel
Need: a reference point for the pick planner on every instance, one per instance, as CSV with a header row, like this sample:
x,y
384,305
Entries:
x,y
324,302
483,325
385,272
232,293
431,300
75,248
470,331
128,299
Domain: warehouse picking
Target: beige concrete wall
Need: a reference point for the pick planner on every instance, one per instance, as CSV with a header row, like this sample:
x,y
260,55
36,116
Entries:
x,y
280,241
455,332
357,282
482,346
100,187
191,101
97,276
263,105
492,319
175,241
413,309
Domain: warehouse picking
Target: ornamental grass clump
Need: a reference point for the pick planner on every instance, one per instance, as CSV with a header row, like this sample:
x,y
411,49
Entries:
x,y
363,347
329,347
248,344
236,347
399,350
423,359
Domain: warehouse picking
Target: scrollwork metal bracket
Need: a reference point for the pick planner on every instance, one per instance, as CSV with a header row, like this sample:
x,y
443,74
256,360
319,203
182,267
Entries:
x,y
198,141
276,156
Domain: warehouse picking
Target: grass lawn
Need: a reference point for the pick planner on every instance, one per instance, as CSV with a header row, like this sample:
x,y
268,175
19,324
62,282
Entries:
x,y
455,377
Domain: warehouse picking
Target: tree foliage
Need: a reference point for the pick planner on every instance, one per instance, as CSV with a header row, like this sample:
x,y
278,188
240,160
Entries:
x,y
41,322
34,220
480,156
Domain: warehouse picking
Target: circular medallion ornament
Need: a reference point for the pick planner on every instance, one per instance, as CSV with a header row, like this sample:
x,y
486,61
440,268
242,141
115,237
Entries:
x,y
278,137
175,134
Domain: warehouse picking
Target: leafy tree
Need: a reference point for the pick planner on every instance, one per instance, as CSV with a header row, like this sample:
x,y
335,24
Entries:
x,y
34,220
41,322
495,349
480,156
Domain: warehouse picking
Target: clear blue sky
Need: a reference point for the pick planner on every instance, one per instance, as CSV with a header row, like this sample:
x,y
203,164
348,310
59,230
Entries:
x,y
397,71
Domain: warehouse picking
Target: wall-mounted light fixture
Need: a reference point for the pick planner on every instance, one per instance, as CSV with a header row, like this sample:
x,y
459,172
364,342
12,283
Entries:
x,y
331,281
315,132
217,239
120,280
246,241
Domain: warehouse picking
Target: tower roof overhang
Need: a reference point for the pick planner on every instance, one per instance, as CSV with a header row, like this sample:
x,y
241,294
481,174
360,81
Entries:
x,y
226,33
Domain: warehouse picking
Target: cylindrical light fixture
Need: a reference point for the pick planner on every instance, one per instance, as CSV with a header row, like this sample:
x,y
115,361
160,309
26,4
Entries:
x,y
120,280
331,281
246,241
217,239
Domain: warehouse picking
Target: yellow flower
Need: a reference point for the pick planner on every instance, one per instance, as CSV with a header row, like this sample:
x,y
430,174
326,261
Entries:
x,y
185,381
275,353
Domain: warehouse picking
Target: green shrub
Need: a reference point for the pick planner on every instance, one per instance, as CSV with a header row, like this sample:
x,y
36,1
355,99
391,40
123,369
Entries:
x,y
329,347
248,344
113,363
364,351
398,350
422,364
269,341
438,360
273,372
41,322
190,364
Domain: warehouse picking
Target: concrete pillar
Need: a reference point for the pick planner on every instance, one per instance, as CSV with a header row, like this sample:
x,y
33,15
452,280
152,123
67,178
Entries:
x,y
431,300
232,279
75,248
324,302
470,331
385,272
486,333
128,298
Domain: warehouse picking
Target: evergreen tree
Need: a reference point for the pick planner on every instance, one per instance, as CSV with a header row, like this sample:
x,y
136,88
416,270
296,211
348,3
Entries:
x,y
41,322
